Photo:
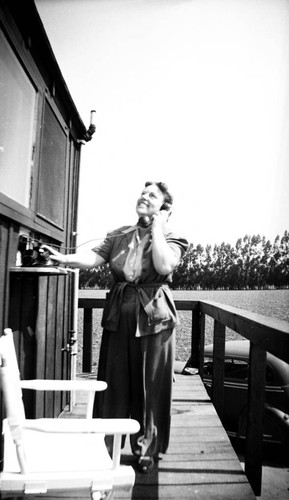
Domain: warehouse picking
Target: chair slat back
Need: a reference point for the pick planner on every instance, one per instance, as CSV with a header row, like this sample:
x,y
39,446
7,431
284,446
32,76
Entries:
x,y
10,384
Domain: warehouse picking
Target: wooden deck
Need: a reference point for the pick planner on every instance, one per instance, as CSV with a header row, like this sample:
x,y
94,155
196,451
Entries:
x,y
200,462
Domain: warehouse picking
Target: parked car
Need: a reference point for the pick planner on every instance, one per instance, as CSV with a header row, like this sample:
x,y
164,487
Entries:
x,y
276,416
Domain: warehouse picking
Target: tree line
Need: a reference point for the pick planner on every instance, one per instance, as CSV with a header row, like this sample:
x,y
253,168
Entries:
x,y
252,263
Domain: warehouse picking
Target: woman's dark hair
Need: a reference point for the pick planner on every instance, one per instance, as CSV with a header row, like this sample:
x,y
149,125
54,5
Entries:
x,y
168,199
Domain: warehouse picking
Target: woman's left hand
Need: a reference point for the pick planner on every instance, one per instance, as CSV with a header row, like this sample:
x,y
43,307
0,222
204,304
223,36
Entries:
x,y
160,219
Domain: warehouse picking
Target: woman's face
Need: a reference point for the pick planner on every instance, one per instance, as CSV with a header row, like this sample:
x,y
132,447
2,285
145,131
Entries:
x,y
150,201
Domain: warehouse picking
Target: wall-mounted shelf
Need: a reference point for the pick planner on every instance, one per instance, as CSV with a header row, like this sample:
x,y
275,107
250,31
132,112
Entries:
x,y
45,270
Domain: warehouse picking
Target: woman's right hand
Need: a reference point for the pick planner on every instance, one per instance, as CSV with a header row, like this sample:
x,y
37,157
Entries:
x,y
80,260
54,255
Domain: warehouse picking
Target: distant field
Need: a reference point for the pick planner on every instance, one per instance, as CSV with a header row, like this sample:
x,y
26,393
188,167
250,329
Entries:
x,y
274,303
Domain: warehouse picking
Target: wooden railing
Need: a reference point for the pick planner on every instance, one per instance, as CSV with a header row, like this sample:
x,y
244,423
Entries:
x,y
264,334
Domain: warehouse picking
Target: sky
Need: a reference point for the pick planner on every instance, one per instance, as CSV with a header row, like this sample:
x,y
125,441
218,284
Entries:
x,y
193,93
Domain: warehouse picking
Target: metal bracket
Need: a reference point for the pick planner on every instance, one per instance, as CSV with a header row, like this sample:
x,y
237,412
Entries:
x,y
71,346
97,494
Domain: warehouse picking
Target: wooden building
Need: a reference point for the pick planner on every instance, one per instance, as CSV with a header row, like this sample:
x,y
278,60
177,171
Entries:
x,y
41,134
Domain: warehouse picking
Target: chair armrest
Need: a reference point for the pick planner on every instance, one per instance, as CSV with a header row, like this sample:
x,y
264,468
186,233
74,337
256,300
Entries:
x,y
64,385
107,426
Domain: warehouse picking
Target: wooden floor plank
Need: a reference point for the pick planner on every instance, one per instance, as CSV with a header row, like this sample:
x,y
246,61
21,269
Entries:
x,y
200,461
203,492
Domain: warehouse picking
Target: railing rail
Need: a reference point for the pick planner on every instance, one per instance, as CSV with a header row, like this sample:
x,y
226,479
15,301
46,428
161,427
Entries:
x,y
264,334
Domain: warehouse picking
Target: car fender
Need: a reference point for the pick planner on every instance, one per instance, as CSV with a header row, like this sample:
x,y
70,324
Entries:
x,y
280,417
272,416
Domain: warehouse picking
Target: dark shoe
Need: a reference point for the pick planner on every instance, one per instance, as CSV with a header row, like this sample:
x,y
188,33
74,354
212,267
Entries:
x,y
145,464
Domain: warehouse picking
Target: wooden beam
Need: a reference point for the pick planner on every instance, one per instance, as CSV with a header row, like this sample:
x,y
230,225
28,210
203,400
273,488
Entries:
x,y
256,403
87,340
218,367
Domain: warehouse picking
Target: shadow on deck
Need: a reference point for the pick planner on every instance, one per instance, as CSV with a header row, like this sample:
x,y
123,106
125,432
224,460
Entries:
x,y
200,462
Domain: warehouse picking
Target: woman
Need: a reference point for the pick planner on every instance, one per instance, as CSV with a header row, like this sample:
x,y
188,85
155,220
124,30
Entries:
x,y
139,318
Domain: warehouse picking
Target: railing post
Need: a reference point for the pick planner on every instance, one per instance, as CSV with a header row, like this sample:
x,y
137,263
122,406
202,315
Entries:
x,y
87,340
256,404
218,368
197,340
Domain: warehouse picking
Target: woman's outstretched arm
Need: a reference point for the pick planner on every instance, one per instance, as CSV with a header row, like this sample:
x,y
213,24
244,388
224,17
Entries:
x,y
81,260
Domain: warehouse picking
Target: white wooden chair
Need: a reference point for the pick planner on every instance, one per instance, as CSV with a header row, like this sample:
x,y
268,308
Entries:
x,y
50,455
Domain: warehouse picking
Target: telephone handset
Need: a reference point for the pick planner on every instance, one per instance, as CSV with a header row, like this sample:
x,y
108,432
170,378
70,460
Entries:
x,y
144,220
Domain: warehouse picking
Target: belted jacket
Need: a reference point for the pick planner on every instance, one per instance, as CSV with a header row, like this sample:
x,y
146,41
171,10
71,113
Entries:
x,y
155,309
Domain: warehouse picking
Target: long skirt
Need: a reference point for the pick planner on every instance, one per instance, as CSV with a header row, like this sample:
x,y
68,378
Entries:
x,y
139,374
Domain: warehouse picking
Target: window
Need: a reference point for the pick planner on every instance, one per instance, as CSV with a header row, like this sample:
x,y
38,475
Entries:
x,y
17,129
236,369
208,367
51,193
